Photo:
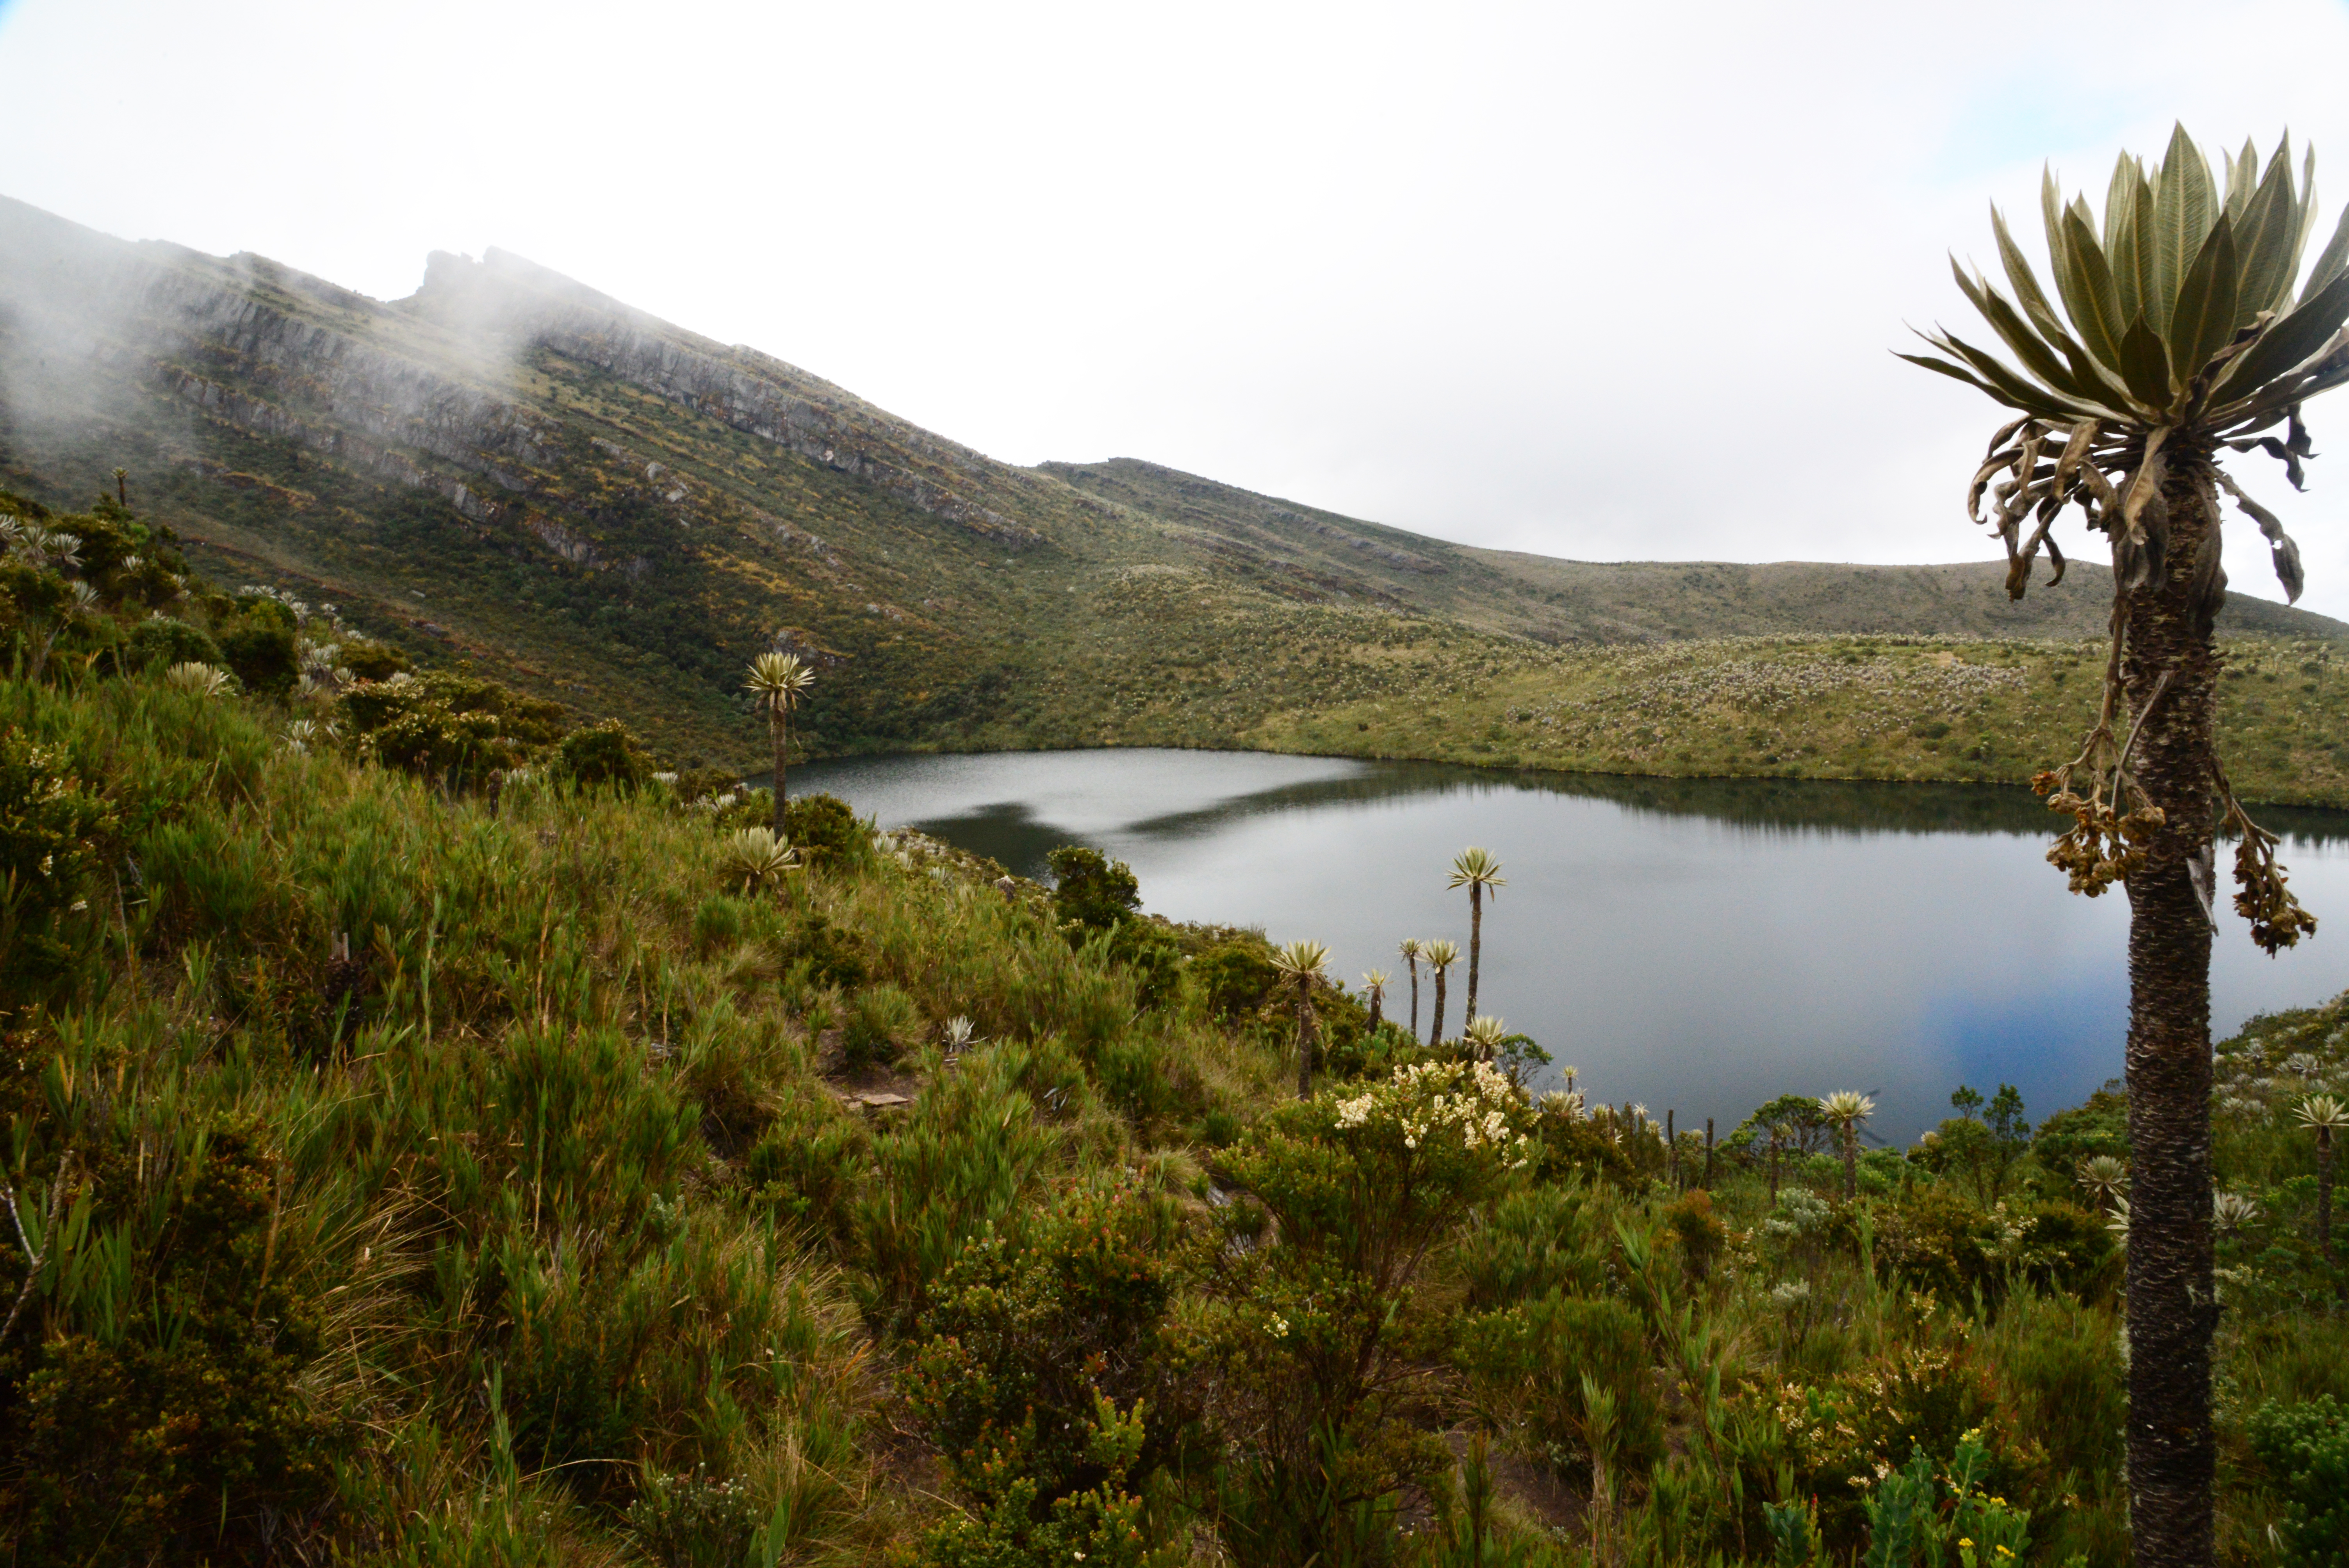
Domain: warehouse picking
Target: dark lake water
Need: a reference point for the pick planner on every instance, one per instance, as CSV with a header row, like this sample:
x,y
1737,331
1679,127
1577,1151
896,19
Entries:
x,y
1702,944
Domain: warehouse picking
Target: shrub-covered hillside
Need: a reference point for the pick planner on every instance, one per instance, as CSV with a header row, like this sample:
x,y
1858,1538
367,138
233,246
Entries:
x,y
436,1136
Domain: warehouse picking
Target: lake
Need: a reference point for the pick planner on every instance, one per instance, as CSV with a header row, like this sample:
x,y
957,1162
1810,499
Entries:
x,y
1700,945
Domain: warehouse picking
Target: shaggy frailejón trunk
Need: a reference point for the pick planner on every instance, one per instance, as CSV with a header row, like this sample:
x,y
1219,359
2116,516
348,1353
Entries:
x,y
1414,998
1435,1029
1851,1162
1378,1012
2170,671
1476,948
2324,1203
782,738
1304,1044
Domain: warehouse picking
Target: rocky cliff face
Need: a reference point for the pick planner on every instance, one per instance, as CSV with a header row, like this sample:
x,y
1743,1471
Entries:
x,y
526,307
418,393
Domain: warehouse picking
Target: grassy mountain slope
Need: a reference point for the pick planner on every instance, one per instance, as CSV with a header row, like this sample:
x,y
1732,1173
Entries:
x,y
513,470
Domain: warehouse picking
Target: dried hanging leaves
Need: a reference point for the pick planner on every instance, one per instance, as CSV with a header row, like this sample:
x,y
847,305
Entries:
x,y
2185,333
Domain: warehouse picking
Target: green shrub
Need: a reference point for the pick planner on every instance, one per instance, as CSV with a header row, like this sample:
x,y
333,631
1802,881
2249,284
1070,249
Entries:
x,y
1574,1145
1104,1526
2060,1244
159,643
36,609
1025,1341
1535,1365
372,661
965,1159
50,829
159,1414
416,727
1321,1340
606,753
2305,1448
261,647
822,824
1233,977
1699,1230
499,710
1137,1075
1090,891
2068,1137
1935,1240
829,954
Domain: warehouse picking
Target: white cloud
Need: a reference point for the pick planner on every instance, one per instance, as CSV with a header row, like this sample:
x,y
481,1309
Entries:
x,y
1598,282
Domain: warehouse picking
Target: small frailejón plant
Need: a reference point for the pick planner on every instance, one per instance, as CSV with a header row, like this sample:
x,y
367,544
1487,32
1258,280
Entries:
x,y
1440,957
2187,334
2325,1116
1480,874
203,680
1299,965
1487,1035
2105,1178
758,857
1411,949
778,682
2230,1212
1374,991
1844,1111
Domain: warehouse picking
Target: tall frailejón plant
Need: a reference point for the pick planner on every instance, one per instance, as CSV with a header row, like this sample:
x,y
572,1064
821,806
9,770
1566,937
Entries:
x,y
1478,871
778,682
1440,957
1844,1111
2187,336
1411,949
2325,1116
1299,965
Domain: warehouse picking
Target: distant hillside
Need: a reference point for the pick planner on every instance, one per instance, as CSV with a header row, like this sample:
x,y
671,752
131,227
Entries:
x,y
512,469
1556,601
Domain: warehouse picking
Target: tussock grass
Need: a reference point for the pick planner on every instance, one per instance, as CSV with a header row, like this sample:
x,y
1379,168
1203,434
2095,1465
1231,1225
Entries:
x,y
519,1188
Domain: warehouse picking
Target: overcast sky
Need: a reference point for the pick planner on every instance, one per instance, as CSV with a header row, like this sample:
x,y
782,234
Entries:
x,y
1602,281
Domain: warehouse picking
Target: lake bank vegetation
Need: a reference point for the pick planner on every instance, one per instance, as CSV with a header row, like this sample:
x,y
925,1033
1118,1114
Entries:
x,y
432,1140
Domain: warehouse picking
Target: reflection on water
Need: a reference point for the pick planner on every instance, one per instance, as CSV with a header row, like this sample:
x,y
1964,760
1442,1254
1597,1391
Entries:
x,y
1697,944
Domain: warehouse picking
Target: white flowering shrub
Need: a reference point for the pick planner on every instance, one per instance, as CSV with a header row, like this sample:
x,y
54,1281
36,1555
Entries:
x,y
1468,1103
1323,1348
